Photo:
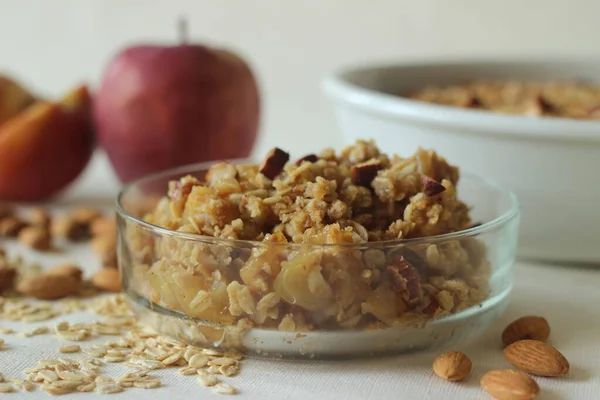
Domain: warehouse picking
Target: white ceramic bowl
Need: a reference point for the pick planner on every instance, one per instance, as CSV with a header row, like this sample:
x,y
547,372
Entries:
x,y
553,164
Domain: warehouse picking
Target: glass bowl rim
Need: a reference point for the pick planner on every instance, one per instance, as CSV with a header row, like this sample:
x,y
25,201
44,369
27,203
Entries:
x,y
510,214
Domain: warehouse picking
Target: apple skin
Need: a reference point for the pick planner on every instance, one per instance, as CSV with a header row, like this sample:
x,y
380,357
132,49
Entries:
x,y
160,107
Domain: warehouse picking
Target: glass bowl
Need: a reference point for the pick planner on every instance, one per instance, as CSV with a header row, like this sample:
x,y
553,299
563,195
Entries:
x,y
317,301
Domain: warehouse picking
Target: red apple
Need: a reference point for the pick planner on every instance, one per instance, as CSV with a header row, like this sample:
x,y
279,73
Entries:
x,y
159,107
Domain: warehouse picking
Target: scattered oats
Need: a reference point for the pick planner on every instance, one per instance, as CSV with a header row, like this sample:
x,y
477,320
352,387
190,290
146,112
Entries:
x,y
89,374
75,336
212,352
31,370
224,388
61,326
108,388
149,384
47,376
6,388
131,377
198,361
55,390
173,358
235,356
88,365
95,361
67,384
172,341
222,361
6,331
189,352
114,359
136,366
229,370
119,321
104,379
188,370
72,375
1,377
68,361
206,379
27,386
106,330
151,364
87,387
40,330
94,352
1,343
40,316
147,333
137,346
69,348
116,353
48,363
61,367
213,369
160,356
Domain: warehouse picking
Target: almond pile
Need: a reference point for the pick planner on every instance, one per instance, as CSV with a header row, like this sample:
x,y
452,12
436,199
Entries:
x,y
38,231
525,349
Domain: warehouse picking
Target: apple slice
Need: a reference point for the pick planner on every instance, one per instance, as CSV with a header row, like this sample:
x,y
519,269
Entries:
x,y
45,147
13,98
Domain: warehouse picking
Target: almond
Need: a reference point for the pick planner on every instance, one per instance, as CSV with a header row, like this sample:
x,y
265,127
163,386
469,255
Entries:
x,y
364,173
509,384
66,269
431,187
537,358
10,226
85,215
104,226
7,277
274,162
48,287
36,237
529,327
452,366
105,247
66,226
39,217
107,279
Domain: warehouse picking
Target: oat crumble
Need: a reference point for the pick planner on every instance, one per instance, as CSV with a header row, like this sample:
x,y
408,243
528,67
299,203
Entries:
x,y
563,99
324,244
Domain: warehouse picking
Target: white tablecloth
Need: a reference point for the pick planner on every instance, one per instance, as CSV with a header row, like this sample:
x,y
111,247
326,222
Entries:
x,y
568,296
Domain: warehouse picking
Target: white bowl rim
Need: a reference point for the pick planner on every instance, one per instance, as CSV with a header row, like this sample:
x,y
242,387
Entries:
x,y
338,87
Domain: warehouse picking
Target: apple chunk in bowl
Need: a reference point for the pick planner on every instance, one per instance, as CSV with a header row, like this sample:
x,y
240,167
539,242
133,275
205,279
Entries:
x,y
329,256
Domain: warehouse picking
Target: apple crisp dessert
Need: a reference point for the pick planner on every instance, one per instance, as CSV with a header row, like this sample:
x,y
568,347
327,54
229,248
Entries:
x,y
549,99
329,241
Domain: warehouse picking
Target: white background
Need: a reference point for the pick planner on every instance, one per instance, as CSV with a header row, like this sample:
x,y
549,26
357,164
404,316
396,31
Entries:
x,y
51,45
